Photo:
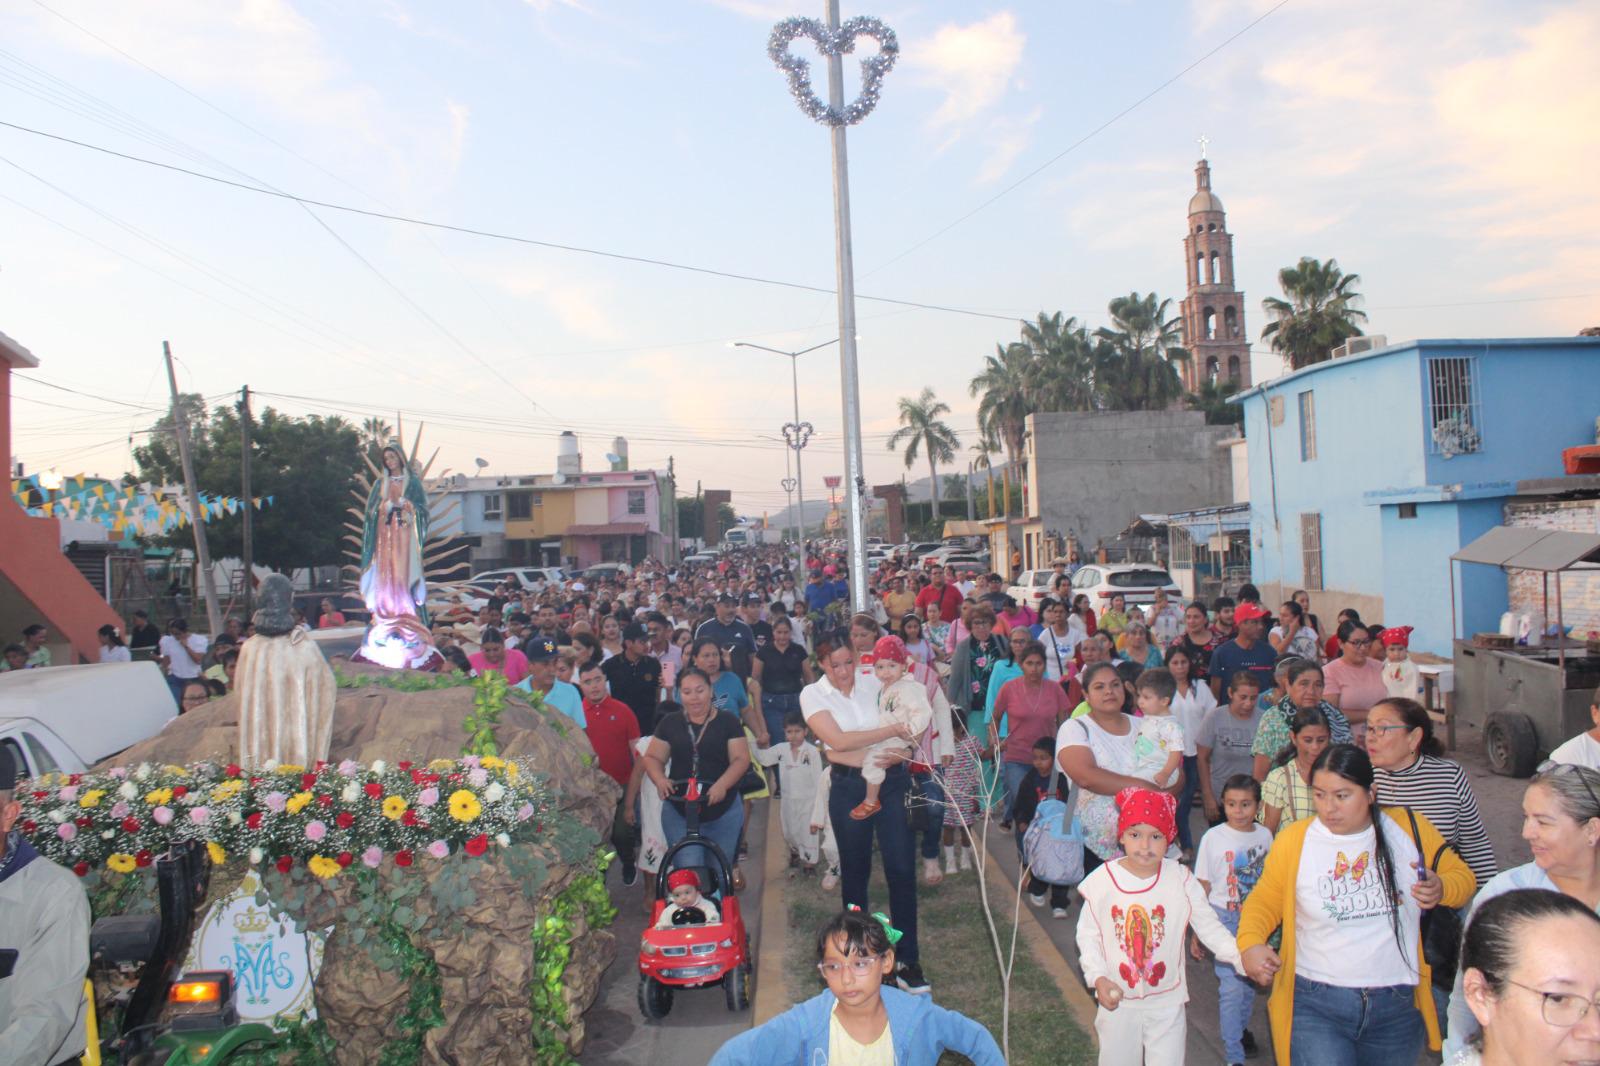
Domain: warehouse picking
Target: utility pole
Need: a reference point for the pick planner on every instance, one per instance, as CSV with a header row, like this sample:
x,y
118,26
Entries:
x,y
180,427
672,485
248,549
972,508
699,514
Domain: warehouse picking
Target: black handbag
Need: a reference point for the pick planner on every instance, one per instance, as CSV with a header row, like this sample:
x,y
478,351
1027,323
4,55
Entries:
x,y
1441,926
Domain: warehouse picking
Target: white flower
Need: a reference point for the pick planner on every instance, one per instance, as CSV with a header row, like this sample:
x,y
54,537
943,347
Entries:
x,y
58,816
270,764
350,793
234,818
256,855
503,839
108,834
142,773
379,767
126,790
495,792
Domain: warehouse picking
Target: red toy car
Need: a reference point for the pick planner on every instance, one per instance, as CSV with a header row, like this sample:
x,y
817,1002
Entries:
x,y
694,956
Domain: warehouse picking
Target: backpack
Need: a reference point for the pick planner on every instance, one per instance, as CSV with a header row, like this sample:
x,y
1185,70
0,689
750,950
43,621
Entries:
x,y
1052,847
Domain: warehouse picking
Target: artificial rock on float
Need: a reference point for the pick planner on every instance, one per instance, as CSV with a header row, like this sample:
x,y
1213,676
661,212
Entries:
x,y
486,961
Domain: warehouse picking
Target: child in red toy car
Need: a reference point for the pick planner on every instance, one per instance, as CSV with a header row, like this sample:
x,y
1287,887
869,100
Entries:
x,y
688,906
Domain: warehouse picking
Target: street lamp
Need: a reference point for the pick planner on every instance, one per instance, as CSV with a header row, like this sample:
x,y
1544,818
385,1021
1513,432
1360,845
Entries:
x,y
795,434
788,484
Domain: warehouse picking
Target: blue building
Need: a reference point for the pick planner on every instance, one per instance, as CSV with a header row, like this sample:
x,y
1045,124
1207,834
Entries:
x,y
1366,472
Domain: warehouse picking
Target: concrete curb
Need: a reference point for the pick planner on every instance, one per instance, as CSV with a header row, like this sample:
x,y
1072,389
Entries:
x,y
772,998
1033,933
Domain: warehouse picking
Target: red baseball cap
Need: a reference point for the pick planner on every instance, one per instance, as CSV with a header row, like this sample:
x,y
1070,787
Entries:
x,y
1247,612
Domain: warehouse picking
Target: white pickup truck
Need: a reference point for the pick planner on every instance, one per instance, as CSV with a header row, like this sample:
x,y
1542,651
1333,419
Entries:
x,y
67,718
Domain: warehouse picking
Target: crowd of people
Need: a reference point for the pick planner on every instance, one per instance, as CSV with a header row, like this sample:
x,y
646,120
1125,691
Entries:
x,y
1244,784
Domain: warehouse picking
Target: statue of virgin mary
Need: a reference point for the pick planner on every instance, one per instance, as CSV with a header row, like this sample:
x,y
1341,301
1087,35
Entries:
x,y
393,585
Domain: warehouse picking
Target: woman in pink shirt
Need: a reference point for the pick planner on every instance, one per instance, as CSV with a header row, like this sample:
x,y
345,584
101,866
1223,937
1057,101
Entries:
x,y
1354,681
494,656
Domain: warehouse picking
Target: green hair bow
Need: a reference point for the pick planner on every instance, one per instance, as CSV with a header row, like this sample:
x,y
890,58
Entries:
x,y
882,919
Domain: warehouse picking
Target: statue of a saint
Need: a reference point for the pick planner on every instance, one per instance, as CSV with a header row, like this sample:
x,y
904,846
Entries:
x,y
286,688
393,585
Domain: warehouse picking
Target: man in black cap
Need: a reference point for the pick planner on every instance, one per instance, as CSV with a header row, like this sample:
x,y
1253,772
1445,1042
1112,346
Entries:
x,y
542,681
750,611
635,676
732,634
44,947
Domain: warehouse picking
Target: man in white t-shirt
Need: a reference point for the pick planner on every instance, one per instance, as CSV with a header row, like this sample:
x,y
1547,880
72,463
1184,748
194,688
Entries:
x,y
1583,749
182,653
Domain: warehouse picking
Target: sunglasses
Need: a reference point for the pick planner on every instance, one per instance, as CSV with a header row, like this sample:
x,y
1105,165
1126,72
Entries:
x,y
1563,769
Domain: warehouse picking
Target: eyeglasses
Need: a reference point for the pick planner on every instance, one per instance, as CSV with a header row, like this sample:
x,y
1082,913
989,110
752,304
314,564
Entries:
x,y
1574,769
861,965
1561,1009
1387,729
1358,643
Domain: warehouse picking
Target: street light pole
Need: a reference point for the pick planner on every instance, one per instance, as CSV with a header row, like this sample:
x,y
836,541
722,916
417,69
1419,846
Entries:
x,y
795,434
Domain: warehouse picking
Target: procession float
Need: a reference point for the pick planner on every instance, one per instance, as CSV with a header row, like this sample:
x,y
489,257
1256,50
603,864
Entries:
x,y
406,865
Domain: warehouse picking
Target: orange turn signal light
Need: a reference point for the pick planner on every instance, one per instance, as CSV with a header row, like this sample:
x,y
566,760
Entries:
x,y
191,993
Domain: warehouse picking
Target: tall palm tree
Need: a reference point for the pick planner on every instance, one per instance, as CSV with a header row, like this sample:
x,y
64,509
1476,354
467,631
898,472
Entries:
x,y
1060,375
981,452
1005,399
1319,314
1136,367
375,433
921,429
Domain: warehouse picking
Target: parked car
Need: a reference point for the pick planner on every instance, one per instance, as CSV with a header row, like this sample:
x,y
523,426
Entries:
x,y
606,572
1031,587
702,557
964,561
917,552
67,718
1137,582
528,577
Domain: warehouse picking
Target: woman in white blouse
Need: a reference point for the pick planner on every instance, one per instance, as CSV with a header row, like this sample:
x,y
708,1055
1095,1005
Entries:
x,y
112,649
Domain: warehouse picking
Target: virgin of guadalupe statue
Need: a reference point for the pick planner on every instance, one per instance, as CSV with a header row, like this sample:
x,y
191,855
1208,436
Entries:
x,y
393,585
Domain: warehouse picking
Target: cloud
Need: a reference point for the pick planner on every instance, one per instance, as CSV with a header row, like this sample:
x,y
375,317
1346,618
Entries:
x,y
579,306
974,65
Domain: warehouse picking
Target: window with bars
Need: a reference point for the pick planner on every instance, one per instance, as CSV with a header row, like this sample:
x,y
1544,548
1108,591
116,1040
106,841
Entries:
x,y
1311,550
491,505
1308,427
519,505
1455,419
636,501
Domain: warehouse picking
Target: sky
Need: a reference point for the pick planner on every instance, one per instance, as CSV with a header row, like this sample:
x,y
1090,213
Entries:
x,y
1024,157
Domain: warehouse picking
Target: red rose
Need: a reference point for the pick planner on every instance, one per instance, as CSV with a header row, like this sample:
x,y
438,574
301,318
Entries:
x,y
320,764
179,791
477,845
345,820
432,779
345,858
253,820
285,864
81,869
404,764
455,777
308,780
29,826
40,795
75,779
130,824
417,777
325,800
143,857
232,769
402,858
84,823
373,789
409,818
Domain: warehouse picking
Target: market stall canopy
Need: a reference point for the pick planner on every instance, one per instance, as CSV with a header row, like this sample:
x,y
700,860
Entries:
x,y
962,528
1544,550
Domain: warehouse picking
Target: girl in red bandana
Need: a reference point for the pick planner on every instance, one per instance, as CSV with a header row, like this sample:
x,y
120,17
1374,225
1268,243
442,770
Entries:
x,y
1400,675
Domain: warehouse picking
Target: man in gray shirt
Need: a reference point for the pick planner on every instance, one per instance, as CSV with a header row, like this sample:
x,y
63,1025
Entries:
x,y
44,947
1222,743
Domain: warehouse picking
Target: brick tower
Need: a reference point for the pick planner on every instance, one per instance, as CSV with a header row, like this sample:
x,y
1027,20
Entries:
x,y
1213,310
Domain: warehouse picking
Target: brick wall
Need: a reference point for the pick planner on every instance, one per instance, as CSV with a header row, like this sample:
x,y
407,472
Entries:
x,y
1580,592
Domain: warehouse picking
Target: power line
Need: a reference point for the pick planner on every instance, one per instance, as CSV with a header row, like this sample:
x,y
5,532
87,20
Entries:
x,y
87,395
492,235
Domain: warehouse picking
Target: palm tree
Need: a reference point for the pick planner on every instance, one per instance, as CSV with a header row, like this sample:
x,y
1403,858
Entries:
x,y
1060,376
981,451
1319,314
1212,398
1136,371
375,433
922,429
1005,399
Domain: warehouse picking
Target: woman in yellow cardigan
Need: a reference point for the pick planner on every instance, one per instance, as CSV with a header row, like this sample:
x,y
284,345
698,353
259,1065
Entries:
x,y
1348,888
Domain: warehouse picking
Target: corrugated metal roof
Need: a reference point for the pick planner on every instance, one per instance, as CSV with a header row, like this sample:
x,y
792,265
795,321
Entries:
x,y
1531,549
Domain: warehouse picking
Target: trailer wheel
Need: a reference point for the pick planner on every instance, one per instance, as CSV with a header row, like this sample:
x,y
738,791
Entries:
x,y
1510,744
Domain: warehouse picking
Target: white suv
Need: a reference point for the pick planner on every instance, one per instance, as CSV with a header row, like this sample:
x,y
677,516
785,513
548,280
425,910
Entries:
x,y
527,577
1137,583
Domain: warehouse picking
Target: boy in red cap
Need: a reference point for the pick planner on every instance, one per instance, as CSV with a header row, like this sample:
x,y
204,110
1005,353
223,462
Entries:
x,y
1137,912
688,906
903,701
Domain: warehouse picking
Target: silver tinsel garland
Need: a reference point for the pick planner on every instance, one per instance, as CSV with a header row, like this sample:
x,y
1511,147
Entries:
x,y
830,43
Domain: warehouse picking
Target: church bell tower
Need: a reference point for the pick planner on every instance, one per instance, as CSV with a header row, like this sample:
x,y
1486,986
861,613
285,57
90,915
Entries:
x,y
1213,309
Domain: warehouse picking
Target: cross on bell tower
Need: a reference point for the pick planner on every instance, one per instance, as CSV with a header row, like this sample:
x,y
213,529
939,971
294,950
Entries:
x,y
1213,309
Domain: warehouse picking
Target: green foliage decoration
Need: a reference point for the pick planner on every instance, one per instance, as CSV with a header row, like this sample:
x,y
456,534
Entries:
x,y
553,934
488,703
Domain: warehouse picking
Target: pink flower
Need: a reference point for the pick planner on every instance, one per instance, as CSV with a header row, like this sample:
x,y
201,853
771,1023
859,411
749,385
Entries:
x,y
162,815
477,778
439,849
68,794
275,801
316,831
524,812
118,772
349,767
373,856
119,809
428,797
470,760
66,830
200,815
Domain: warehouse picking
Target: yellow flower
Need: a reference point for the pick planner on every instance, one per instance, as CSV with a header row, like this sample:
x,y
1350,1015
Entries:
x,y
512,771
227,790
91,798
393,808
218,856
176,771
441,764
291,768
491,762
156,797
464,806
297,802
123,864
323,867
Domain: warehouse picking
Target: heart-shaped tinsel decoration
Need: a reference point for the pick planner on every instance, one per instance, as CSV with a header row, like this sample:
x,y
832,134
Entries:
x,y
831,43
